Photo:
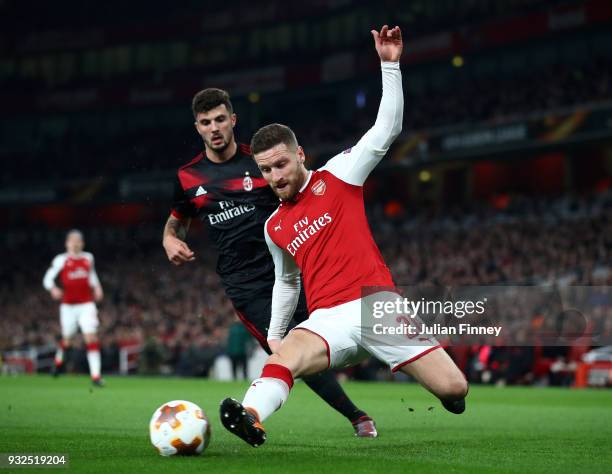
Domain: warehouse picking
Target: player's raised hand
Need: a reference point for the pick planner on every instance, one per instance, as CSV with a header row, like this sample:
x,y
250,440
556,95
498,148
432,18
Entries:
x,y
178,252
388,43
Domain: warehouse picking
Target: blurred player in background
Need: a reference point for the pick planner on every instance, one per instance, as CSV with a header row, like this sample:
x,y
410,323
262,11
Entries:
x,y
223,187
320,228
237,349
80,287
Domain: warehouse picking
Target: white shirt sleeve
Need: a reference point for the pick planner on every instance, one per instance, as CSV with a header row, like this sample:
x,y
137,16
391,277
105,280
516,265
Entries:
x,y
94,281
355,164
51,274
286,290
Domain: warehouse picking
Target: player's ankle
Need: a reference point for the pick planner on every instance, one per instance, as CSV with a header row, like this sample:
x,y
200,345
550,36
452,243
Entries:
x,y
253,412
359,416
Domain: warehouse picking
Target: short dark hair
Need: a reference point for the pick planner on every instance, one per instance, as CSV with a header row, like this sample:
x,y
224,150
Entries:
x,y
210,98
272,135
76,232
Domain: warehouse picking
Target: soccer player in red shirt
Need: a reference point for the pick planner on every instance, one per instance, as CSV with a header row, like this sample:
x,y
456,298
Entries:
x,y
320,230
80,287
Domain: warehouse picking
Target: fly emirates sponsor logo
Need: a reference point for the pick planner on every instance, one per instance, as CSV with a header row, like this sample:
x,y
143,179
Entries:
x,y
305,230
229,210
78,274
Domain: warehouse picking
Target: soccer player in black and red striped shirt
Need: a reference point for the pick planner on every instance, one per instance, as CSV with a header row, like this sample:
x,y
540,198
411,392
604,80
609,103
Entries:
x,y
223,187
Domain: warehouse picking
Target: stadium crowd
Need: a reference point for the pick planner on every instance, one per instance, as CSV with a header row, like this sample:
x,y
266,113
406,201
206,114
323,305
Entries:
x,y
494,99
180,318
468,101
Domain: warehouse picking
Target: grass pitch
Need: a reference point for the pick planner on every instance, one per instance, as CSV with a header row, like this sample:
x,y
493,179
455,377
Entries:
x,y
513,430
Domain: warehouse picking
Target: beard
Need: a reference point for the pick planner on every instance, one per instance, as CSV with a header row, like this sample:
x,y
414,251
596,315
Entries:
x,y
218,148
287,193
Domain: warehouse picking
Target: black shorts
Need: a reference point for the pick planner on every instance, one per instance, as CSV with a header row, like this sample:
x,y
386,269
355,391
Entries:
x,y
255,314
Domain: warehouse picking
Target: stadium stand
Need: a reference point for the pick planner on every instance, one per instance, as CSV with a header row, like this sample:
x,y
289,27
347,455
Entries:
x,y
179,316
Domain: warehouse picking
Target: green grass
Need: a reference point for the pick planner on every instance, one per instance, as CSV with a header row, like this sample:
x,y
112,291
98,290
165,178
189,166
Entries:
x,y
503,430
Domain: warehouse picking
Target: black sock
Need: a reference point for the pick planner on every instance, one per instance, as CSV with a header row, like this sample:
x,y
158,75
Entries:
x,y
327,387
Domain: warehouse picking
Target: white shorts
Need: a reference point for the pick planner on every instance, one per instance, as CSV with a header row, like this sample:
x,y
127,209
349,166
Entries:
x,y
73,316
351,333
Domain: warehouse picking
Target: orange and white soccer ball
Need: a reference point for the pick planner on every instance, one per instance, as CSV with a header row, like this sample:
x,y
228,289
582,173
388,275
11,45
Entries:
x,y
179,427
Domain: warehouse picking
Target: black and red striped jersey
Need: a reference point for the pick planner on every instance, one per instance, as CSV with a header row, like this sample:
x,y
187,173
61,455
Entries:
x,y
233,201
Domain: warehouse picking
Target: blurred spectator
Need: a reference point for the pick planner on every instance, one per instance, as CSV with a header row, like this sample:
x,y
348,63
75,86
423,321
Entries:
x,y
237,349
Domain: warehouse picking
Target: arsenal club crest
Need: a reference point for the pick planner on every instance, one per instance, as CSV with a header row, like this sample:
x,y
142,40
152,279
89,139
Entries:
x,y
319,188
247,182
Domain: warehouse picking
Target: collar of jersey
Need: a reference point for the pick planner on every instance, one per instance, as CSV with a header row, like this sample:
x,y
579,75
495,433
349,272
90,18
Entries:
x,y
300,193
223,163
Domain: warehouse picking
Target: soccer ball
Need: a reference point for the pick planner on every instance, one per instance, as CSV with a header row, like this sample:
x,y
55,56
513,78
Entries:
x,y
179,427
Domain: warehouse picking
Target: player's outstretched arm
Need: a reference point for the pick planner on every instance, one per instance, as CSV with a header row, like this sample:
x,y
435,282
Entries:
x,y
285,293
175,231
51,275
354,165
94,282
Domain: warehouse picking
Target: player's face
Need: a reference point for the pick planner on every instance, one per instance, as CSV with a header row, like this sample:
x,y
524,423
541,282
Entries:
x,y
216,127
74,243
283,169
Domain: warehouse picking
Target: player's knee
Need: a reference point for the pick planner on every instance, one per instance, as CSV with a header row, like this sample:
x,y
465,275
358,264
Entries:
x,y
455,388
294,364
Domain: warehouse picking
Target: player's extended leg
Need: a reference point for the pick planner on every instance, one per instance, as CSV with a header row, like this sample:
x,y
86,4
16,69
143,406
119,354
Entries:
x,y
324,384
422,358
88,322
93,358
301,353
61,355
437,372
69,327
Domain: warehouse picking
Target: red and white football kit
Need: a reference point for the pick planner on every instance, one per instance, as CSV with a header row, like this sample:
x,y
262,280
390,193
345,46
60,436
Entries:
x,y
323,232
78,277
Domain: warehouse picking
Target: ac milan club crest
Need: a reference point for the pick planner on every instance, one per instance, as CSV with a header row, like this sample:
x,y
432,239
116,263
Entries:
x,y
247,182
319,188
